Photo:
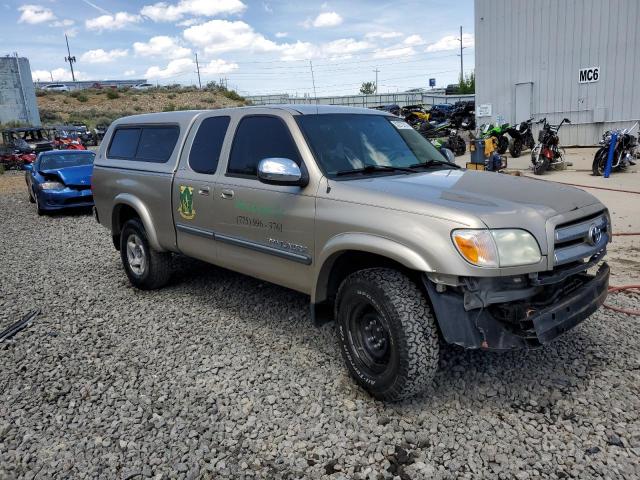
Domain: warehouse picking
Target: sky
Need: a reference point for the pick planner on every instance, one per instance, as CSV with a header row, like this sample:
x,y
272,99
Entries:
x,y
260,47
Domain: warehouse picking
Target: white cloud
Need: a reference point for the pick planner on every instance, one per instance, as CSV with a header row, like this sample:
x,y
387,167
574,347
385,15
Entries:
x,y
35,14
394,52
216,67
161,46
129,73
341,48
62,23
217,36
414,40
384,35
324,19
451,42
164,12
103,56
59,75
298,51
281,34
173,68
344,46
112,22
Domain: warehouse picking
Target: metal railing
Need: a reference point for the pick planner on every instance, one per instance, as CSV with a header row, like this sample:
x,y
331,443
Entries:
x,y
402,99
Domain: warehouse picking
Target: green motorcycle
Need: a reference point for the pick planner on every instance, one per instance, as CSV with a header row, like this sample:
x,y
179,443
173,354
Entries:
x,y
489,130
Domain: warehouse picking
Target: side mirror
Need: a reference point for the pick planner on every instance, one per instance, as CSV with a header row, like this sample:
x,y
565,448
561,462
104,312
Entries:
x,y
281,171
566,120
28,167
448,154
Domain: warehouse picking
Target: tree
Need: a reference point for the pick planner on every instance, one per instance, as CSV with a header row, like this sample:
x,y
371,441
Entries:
x,y
368,88
468,84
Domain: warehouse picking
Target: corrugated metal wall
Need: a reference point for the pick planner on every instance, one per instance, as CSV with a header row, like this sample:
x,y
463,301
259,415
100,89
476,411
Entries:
x,y
544,43
17,95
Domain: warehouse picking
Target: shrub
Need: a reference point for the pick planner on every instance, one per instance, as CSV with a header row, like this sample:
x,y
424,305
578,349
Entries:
x,y
112,94
41,93
137,108
209,100
82,98
134,98
171,96
75,93
49,116
1,169
169,107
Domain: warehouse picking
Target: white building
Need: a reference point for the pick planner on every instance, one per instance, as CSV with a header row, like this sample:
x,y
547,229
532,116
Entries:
x,y
578,59
17,95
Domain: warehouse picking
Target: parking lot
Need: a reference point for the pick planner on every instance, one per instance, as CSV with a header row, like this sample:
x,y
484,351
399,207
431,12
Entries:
x,y
220,375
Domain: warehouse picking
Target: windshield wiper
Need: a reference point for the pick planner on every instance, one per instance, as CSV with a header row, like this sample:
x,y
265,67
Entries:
x,y
376,168
434,163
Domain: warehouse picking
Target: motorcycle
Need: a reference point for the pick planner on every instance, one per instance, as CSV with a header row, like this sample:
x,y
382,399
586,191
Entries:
x,y
454,141
546,154
521,137
499,132
464,115
414,114
623,152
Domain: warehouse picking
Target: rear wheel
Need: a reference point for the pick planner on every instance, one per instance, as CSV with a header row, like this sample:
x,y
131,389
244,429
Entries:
x,y
460,146
541,165
388,335
515,148
146,268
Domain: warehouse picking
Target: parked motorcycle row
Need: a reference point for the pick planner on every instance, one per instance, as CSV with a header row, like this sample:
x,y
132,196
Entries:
x,y
547,154
20,146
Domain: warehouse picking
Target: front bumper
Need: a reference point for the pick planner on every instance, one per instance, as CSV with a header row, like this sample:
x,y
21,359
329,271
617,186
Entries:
x,y
66,198
553,309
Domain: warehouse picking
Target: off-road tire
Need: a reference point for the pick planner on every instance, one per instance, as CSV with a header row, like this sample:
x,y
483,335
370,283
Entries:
x,y
403,309
541,165
157,270
515,148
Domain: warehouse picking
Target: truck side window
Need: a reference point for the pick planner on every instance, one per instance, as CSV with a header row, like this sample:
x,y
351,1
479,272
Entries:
x,y
205,151
124,143
259,137
157,143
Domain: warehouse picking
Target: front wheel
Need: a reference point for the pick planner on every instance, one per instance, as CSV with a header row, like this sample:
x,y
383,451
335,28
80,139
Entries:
x,y
146,268
388,335
503,144
515,148
541,165
600,162
460,146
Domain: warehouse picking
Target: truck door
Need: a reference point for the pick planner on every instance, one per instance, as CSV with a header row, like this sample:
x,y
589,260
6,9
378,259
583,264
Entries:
x,y
194,189
266,231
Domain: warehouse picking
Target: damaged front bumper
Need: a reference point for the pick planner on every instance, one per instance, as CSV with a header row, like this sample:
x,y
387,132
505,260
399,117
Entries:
x,y
518,312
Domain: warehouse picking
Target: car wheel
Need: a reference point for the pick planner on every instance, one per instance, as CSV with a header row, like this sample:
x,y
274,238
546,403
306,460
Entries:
x,y
31,199
146,268
387,333
38,207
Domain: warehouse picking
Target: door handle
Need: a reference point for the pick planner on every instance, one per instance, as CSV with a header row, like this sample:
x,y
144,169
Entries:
x,y
203,191
226,193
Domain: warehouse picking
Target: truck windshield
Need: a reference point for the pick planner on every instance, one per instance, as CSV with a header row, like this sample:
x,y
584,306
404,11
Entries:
x,y
64,160
345,144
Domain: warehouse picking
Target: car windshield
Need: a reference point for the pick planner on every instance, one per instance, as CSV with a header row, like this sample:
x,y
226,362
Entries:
x,y
359,144
64,160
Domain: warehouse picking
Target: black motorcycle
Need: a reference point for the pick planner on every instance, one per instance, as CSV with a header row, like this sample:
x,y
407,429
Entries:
x,y
547,153
521,137
432,131
623,152
463,115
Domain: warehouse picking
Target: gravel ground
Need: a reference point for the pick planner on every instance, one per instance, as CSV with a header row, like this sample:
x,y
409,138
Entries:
x,y
222,376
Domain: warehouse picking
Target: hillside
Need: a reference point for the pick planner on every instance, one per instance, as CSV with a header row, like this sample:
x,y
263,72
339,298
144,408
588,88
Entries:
x,y
93,107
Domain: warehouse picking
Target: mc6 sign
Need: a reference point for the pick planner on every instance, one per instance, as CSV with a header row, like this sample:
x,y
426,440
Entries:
x,y
589,75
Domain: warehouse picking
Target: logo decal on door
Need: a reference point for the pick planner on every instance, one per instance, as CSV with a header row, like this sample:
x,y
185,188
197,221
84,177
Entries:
x,y
186,203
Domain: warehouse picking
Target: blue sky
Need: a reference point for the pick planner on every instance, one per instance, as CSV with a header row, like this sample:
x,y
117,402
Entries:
x,y
261,47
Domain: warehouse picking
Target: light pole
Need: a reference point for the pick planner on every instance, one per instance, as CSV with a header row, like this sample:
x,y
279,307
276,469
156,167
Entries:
x,y
70,59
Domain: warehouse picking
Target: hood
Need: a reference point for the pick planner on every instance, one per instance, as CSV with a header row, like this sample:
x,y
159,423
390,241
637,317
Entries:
x,y
79,176
499,200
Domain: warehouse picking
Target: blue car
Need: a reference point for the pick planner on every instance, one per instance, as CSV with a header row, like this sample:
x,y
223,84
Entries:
x,y
60,179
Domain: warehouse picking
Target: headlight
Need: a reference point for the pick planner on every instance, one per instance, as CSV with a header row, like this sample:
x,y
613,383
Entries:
x,y
493,248
52,186
32,146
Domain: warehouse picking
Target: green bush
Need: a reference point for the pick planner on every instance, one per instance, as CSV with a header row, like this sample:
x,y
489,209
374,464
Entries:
x,y
169,107
112,94
41,93
137,108
171,96
134,98
49,116
209,100
75,93
82,98
1,169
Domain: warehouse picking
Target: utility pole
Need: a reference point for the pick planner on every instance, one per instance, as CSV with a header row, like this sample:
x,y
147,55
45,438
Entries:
x,y
51,75
313,81
69,59
198,68
376,71
461,61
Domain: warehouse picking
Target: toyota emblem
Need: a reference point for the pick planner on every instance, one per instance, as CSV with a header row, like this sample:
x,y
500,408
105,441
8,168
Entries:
x,y
595,235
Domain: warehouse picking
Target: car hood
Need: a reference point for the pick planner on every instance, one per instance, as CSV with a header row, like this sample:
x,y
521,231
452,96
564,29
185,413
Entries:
x,y
79,176
499,200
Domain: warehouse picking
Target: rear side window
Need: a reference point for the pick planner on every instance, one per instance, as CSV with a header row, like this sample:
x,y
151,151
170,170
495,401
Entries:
x,y
260,137
205,151
144,144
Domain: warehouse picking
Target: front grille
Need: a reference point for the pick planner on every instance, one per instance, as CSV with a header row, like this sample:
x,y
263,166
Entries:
x,y
78,200
578,240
